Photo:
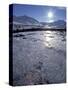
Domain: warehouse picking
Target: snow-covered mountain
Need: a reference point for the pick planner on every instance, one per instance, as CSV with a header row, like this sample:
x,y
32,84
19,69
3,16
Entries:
x,y
26,22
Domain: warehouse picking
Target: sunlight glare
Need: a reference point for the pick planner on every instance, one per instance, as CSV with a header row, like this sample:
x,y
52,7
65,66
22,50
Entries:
x,y
50,14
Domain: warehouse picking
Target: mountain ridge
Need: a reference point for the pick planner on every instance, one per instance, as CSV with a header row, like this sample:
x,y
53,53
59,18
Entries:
x,y
25,20
29,21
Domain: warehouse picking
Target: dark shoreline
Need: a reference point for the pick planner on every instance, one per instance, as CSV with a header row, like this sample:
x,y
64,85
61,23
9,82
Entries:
x,y
37,29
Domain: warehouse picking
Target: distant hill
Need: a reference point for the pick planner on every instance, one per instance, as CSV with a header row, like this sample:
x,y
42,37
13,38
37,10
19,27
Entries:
x,y
60,24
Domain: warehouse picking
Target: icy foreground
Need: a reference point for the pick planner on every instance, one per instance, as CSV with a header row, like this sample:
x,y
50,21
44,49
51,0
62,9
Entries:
x,y
39,57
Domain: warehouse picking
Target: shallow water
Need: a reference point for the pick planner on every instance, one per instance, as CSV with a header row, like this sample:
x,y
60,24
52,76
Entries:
x,y
39,57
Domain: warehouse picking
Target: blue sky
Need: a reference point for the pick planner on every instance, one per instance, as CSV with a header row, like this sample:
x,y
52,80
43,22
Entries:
x,y
40,12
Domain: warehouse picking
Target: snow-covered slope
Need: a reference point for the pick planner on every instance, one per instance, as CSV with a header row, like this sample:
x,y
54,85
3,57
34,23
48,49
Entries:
x,y
26,20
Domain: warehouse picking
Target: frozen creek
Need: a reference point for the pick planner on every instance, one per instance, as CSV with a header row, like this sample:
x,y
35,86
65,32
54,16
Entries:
x,y
39,57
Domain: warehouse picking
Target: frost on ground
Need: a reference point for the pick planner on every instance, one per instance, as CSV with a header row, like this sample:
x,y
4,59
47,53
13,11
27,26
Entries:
x,y
39,57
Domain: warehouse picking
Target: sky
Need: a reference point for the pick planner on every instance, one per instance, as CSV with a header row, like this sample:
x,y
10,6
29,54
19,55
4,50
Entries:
x,y
40,13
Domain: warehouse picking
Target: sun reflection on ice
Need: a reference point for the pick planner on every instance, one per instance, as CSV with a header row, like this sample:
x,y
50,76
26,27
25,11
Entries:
x,y
48,39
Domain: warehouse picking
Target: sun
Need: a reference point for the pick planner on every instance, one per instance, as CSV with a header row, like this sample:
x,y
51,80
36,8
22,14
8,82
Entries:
x,y
50,15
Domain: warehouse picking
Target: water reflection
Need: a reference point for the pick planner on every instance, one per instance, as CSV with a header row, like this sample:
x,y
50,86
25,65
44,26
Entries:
x,y
48,37
54,39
